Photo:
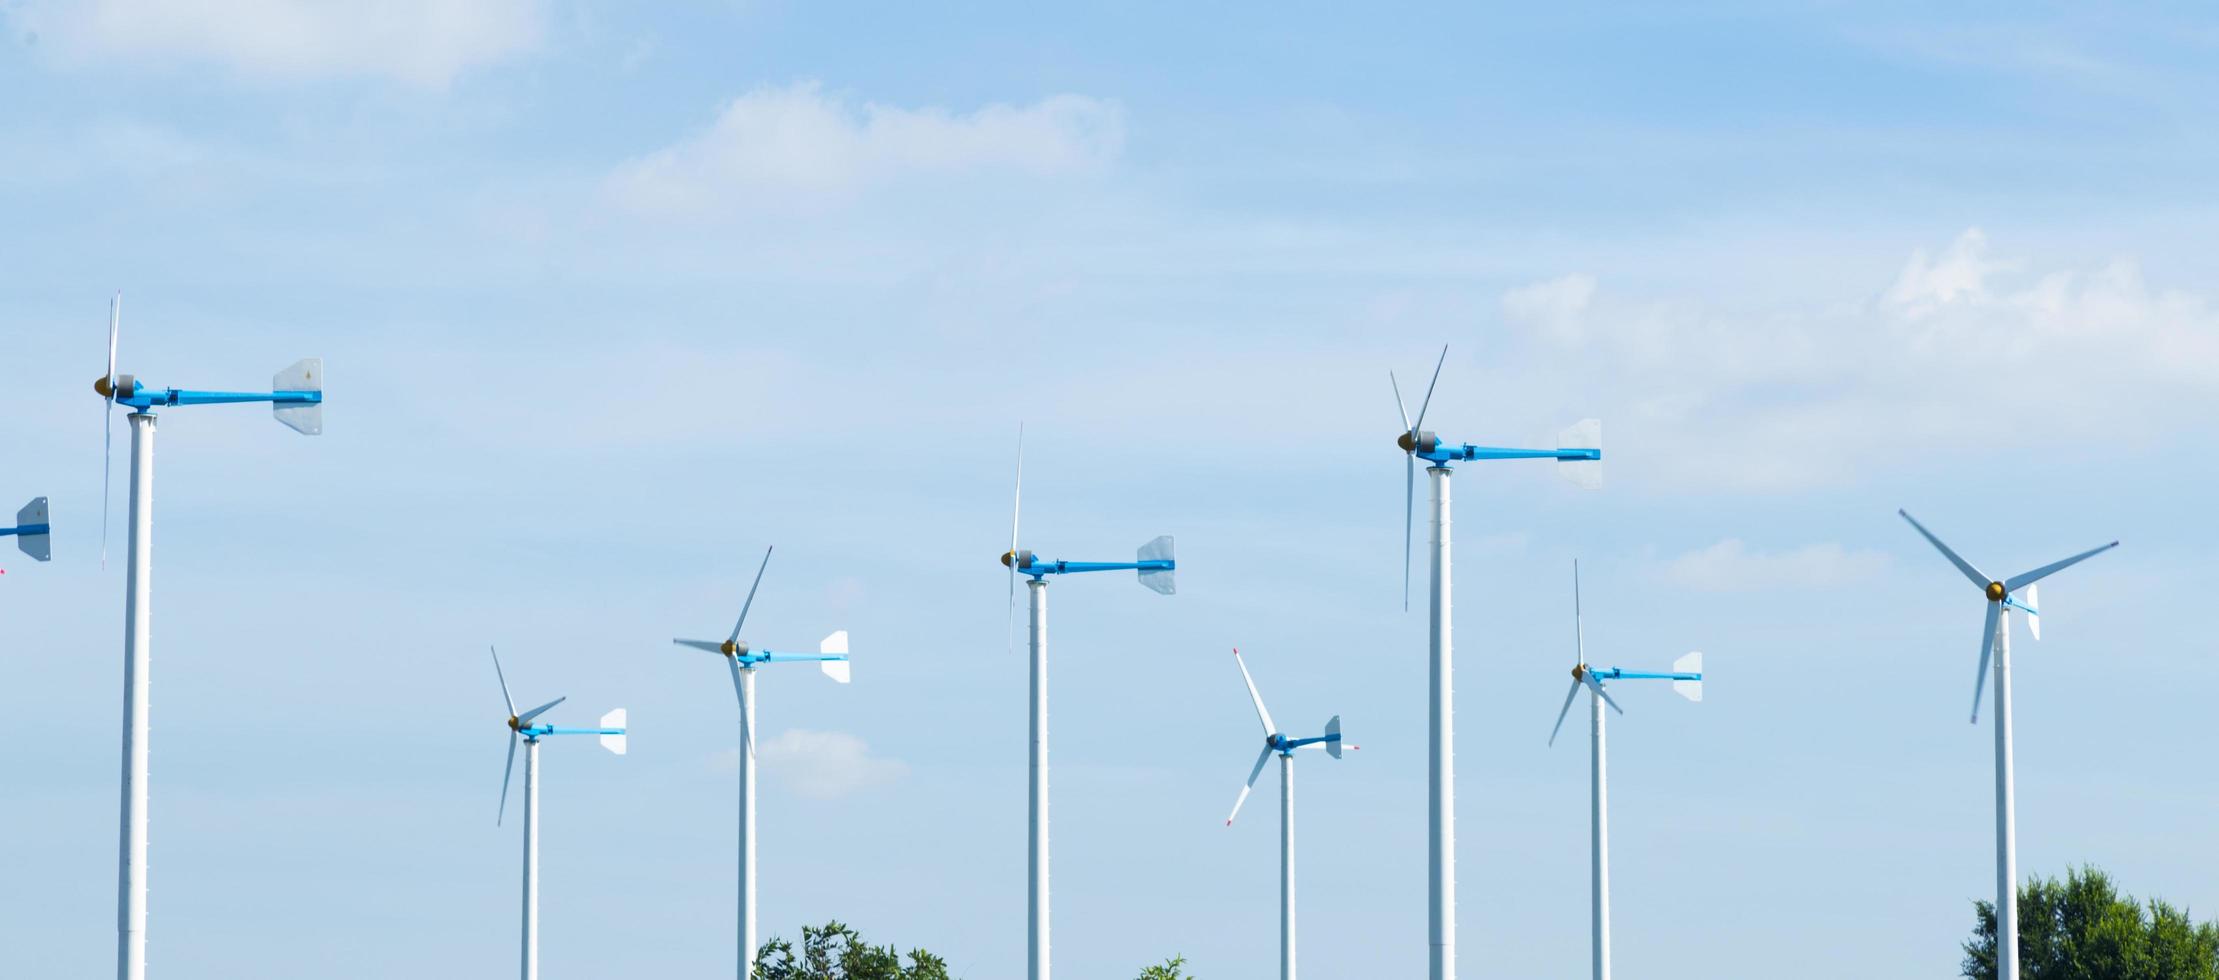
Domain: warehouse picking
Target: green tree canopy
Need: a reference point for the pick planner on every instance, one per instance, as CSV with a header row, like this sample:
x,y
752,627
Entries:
x,y
2082,928
1171,969
835,951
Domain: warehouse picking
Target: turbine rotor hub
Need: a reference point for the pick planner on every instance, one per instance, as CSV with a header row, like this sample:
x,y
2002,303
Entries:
x,y
515,725
1579,672
1996,592
1418,441
1019,560
730,648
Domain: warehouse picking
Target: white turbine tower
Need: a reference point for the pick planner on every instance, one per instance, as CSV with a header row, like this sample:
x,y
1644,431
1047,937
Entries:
x,y
1156,566
1277,743
2016,592
296,397
832,658
1579,457
1687,682
525,728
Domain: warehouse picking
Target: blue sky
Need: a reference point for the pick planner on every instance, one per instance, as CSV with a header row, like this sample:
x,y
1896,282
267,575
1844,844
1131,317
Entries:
x,y
612,299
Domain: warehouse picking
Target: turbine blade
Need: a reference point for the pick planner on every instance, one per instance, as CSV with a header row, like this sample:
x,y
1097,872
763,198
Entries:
x,y
1597,687
503,678
1250,785
526,717
1561,712
2020,581
1962,565
1399,410
1016,510
107,464
1579,632
108,422
745,606
1409,506
1428,402
1261,715
1987,650
710,645
506,771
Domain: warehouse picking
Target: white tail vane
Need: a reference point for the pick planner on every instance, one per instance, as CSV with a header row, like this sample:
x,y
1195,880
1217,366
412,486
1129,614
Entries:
x,y
1690,664
1158,579
1586,474
306,374
2032,608
38,546
837,643
613,743
1333,737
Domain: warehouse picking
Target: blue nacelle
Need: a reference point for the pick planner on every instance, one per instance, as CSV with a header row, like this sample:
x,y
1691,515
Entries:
x,y
130,391
1428,446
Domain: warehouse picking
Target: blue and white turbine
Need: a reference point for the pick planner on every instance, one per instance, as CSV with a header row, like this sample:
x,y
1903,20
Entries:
x,y
525,727
1155,566
296,395
832,658
1280,744
32,532
2016,592
1579,457
1687,681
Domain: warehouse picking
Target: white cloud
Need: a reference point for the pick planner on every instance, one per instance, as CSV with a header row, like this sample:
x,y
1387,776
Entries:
x,y
1730,566
418,42
1964,354
1552,306
825,765
775,147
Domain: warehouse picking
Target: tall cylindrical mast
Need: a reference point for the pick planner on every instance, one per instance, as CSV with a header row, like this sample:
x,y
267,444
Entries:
x,y
1036,909
2007,833
747,823
531,859
138,626
1441,770
1601,824
1286,866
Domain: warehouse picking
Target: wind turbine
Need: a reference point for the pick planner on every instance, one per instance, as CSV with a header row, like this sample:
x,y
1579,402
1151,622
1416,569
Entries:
x,y
1278,743
2017,592
1687,682
296,397
1579,457
832,658
32,533
526,727
1155,567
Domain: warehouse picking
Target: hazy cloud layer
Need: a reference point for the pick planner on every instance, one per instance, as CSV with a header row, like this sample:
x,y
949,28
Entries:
x,y
1732,566
797,145
423,43
1965,352
826,765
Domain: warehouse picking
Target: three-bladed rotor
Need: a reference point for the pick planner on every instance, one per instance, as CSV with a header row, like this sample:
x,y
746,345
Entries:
x,y
2017,592
831,656
1277,742
296,399
1578,453
525,727
1686,675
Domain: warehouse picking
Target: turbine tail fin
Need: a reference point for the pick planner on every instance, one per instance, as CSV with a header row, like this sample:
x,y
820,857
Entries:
x,y
306,374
